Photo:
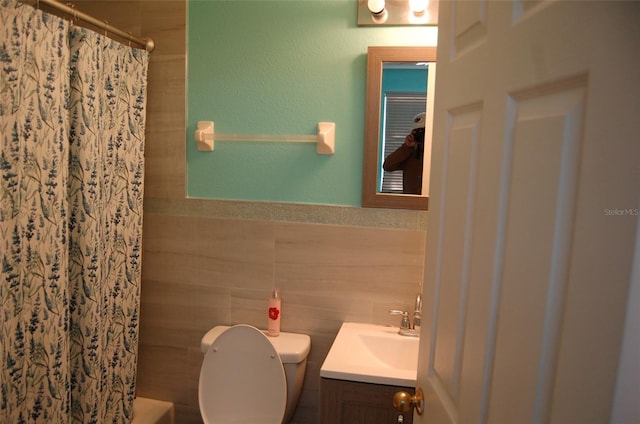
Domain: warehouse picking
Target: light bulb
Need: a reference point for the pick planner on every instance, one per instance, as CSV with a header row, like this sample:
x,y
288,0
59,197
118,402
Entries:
x,y
375,6
418,6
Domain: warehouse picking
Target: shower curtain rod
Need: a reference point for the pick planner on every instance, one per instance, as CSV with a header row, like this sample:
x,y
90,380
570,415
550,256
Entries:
x,y
147,43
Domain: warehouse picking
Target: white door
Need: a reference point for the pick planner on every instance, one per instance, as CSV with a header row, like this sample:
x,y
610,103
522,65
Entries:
x,y
531,227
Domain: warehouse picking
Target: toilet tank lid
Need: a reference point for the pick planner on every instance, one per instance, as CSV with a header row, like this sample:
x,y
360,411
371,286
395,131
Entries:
x,y
291,347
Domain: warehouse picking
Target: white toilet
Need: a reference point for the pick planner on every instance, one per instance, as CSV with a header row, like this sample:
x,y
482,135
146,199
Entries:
x,y
247,377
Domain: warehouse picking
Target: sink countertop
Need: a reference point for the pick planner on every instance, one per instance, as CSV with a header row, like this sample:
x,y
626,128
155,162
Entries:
x,y
372,353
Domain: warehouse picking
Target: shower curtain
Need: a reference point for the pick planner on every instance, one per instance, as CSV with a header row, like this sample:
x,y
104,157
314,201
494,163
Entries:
x,y
72,117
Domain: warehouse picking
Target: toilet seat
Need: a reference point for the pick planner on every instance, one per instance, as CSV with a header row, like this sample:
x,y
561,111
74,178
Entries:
x,y
242,379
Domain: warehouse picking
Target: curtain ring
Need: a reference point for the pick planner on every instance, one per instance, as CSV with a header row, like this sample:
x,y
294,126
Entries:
x,y
106,26
130,38
74,14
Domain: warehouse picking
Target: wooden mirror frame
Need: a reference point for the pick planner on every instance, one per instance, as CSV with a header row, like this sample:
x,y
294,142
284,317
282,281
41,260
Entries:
x,y
376,57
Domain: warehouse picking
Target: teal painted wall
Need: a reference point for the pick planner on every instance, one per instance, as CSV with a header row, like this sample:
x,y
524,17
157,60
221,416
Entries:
x,y
280,67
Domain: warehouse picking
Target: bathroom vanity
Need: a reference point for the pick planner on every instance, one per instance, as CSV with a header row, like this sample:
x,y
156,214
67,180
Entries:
x,y
365,367
343,401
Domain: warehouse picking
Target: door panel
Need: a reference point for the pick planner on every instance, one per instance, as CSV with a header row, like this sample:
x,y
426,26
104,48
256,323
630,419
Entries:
x,y
457,206
469,25
533,210
542,157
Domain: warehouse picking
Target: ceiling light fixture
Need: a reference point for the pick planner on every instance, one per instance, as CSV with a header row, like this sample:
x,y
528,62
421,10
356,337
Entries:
x,y
397,12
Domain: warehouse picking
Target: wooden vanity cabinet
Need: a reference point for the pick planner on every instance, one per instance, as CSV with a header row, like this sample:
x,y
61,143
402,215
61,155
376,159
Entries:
x,y
351,402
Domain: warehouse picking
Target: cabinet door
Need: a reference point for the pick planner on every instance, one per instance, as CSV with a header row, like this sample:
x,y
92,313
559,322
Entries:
x,y
349,402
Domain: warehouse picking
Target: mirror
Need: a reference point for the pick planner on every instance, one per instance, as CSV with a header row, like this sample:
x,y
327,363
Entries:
x,y
382,133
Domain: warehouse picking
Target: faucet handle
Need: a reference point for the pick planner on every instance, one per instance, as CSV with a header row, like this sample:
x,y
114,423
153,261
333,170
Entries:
x,y
404,324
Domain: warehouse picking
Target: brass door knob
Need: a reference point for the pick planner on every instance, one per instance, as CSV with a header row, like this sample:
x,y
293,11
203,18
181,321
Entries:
x,y
403,401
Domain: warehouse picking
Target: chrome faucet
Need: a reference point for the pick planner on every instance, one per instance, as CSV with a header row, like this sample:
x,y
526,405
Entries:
x,y
406,327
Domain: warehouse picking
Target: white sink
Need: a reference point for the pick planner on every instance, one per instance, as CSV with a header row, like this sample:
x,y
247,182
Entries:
x,y
372,354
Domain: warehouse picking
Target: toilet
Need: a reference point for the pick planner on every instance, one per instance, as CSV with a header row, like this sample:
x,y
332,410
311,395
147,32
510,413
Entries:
x,y
247,377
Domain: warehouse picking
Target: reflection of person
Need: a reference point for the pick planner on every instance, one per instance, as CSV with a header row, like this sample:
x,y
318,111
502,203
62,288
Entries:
x,y
409,158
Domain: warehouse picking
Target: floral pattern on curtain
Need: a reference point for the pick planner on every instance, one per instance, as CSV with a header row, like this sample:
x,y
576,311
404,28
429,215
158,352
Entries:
x,y
34,87
107,104
72,116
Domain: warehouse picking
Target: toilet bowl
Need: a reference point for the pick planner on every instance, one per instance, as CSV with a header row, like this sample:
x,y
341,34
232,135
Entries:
x,y
247,377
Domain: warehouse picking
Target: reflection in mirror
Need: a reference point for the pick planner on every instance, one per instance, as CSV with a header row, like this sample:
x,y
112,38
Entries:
x,y
402,121
399,91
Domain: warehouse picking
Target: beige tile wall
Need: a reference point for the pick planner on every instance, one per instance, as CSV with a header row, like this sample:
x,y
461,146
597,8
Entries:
x,y
202,271
212,262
